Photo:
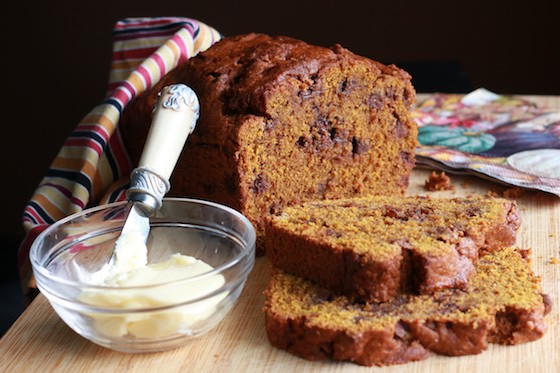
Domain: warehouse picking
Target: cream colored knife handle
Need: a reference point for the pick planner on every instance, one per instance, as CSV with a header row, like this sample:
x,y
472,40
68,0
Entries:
x,y
175,117
174,120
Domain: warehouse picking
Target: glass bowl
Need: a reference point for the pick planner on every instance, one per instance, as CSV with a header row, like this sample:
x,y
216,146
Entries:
x,y
164,314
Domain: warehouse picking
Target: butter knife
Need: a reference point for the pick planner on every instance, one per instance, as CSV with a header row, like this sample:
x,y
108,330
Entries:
x,y
175,116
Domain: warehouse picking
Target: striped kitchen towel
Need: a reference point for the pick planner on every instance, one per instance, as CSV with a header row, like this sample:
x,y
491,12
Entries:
x,y
93,167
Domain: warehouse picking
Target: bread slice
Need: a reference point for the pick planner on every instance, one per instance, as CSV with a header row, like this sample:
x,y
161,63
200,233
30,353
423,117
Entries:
x,y
374,248
501,304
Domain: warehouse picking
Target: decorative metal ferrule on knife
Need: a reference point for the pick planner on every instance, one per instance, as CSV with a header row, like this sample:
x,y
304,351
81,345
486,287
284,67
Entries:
x,y
148,188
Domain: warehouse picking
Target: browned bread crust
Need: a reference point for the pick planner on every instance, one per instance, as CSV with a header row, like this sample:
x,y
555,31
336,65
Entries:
x,y
502,304
283,121
375,247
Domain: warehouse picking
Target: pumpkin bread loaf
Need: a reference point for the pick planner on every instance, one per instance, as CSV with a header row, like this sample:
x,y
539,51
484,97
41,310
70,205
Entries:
x,y
501,304
376,247
282,122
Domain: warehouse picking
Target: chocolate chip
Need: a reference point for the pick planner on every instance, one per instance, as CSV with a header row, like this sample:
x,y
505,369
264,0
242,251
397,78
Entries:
x,y
407,158
395,213
270,124
391,93
321,121
237,79
359,147
342,86
429,324
419,213
346,86
375,102
333,233
275,208
322,187
320,136
472,211
305,94
391,212
402,330
401,130
260,185
408,97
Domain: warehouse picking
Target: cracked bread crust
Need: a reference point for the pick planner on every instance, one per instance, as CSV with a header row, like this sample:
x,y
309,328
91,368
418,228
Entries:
x,y
503,303
373,248
283,121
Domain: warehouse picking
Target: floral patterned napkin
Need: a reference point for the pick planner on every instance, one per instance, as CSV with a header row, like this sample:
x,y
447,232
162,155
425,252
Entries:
x,y
503,138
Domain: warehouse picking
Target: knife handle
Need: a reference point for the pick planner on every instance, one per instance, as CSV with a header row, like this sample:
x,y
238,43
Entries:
x,y
175,116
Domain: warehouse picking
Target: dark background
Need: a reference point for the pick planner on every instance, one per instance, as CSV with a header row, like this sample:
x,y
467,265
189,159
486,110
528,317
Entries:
x,y
57,56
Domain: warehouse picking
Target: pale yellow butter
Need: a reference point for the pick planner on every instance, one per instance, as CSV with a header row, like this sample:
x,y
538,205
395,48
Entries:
x,y
124,294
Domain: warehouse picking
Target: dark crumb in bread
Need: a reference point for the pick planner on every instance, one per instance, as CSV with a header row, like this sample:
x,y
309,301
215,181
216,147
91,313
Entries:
x,y
375,247
503,304
438,181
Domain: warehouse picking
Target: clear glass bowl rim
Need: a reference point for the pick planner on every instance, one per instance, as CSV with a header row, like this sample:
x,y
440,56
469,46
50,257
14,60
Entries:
x,y
249,245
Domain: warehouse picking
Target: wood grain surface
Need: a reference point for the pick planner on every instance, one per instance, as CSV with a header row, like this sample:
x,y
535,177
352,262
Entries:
x,y
40,342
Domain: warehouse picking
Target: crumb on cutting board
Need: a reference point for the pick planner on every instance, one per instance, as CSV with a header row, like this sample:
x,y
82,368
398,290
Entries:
x,y
438,181
492,193
512,192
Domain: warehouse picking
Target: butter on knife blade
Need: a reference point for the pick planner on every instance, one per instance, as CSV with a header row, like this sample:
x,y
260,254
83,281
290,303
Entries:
x,y
175,117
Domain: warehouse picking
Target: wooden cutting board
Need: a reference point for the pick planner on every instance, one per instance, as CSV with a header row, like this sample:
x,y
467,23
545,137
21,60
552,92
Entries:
x,y
40,342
